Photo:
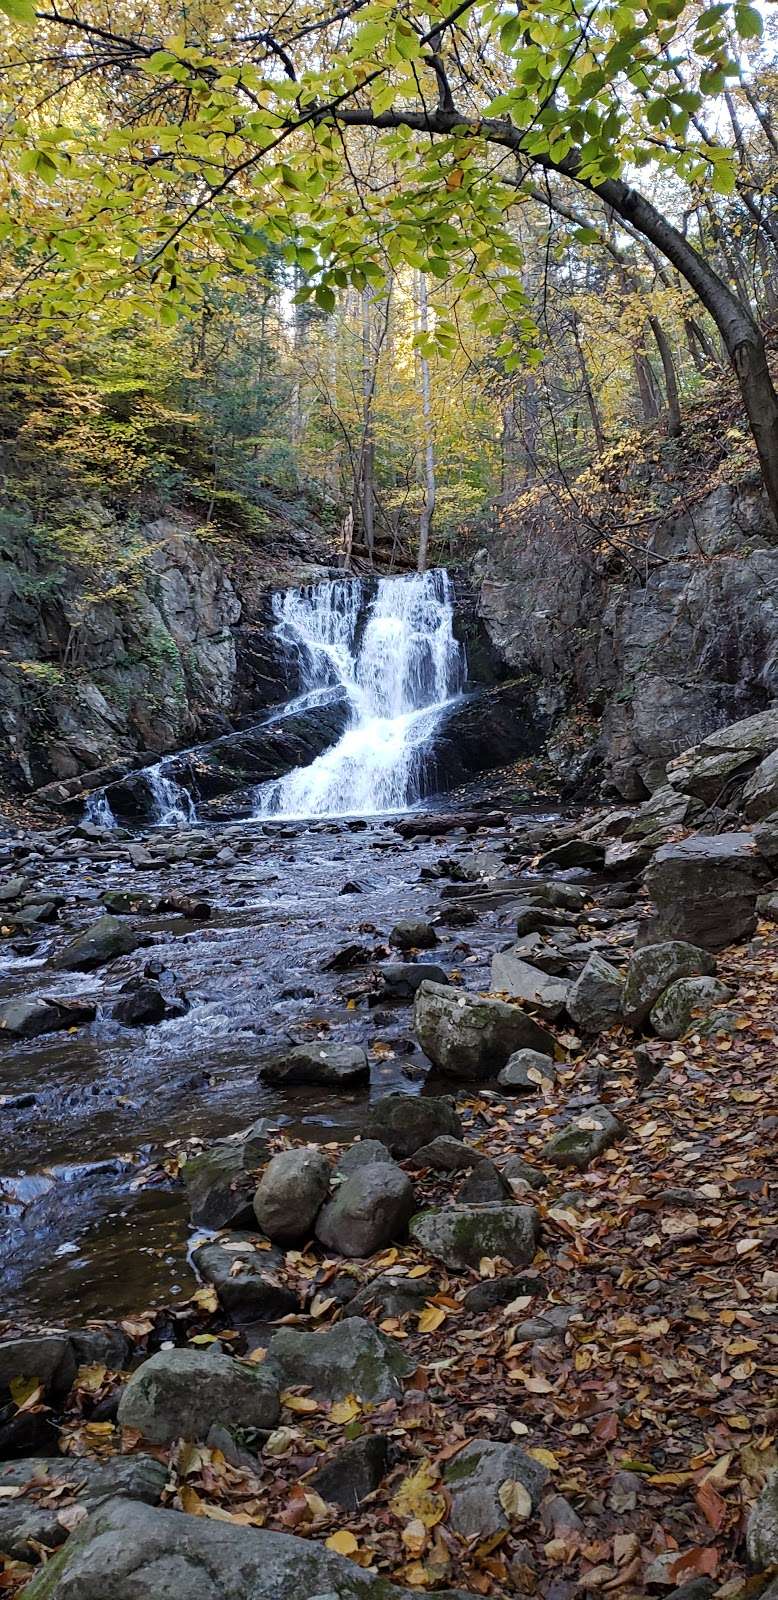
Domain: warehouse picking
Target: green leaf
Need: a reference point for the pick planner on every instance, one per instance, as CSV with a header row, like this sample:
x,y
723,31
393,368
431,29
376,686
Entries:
x,y
748,22
19,10
325,297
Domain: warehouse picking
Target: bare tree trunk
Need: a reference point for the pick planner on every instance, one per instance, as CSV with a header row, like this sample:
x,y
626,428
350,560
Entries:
x,y
368,442
671,380
594,410
430,487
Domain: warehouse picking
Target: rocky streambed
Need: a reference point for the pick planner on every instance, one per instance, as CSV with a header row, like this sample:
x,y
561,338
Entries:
x,y
383,1181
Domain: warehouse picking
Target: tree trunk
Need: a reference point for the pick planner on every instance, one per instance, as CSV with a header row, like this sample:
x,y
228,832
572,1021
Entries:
x,y
671,380
647,386
430,487
368,445
594,410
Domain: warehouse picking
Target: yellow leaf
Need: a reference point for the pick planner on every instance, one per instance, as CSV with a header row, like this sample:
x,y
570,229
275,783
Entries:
x,y
414,1537
415,1499
298,1402
345,1410
431,1318
545,1457
418,1272
207,1299
26,1392
190,1500
342,1542
320,1304
515,1500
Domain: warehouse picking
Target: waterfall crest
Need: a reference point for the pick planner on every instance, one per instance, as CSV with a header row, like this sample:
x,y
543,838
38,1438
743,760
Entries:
x,y
397,659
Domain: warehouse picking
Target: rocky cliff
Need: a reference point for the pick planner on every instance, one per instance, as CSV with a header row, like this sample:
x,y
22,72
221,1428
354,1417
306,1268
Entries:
x,y
644,605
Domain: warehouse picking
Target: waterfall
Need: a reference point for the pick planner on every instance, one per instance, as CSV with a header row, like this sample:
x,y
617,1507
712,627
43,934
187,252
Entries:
x,y
400,665
171,802
98,810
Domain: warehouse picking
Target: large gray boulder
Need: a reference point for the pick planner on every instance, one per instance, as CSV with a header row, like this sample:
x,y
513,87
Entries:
x,y
349,1358
180,1394
245,1278
27,1019
401,979
291,1192
653,968
760,795
220,1181
766,839
461,1235
127,1551
26,1522
445,1154
595,999
518,978
470,1038
405,1122
102,941
413,935
332,1066
762,1529
365,1153
675,1010
582,1141
705,889
475,1479
369,1209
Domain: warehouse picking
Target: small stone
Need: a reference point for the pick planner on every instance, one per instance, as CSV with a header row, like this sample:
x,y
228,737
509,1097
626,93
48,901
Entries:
x,y
291,1192
445,1154
516,1170
386,1296
595,999
527,1070
354,1473
580,1142
399,980
484,1186
178,1394
245,1279
411,935
475,1478
513,976
363,1154
140,1004
493,1292
333,1066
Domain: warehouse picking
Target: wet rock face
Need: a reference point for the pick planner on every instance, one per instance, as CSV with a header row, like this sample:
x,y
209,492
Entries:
x,y
245,1278
330,1065
103,941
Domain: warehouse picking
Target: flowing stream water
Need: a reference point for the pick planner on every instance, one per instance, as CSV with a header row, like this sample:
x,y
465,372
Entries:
x,y
400,665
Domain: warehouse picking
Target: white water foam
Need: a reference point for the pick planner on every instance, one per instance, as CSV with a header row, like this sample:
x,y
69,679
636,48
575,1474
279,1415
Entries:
x,y
400,665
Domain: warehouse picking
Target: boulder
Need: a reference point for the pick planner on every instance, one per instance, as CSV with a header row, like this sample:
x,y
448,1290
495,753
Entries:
x,y
762,1528
527,1070
354,1473
467,1037
518,978
445,1154
594,1001
334,1066
291,1192
461,1235
673,1013
245,1279
399,980
653,968
349,1358
476,1479
760,795
575,853
102,941
705,889
580,1142
365,1153
411,935
387,1296
46,1357
26,1523
369,1209
405,1122
27,1019
140,1004
484,1186
518,1171
127,1551
179,1394
766,839
493,1292
220,1182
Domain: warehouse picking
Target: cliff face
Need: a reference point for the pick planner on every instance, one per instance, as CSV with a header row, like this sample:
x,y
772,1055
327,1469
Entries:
x,y
179,653
638,645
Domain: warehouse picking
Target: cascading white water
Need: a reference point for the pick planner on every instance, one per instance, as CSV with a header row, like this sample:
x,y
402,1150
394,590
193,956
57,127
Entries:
x,y
171,802
400,665
98,810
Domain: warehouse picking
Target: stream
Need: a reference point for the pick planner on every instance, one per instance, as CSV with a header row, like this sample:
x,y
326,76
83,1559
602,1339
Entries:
x,y
94,1221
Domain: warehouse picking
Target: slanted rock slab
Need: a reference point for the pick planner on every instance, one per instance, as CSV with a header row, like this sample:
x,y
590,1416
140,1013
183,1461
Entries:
x,y
126,1551
518,978
349,1358
219,1181
353,1473
475,1478
705,889
179,1394
25,1522
470,1038
461,1235
595,999
582,1141
445,1154
102,941
653,968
